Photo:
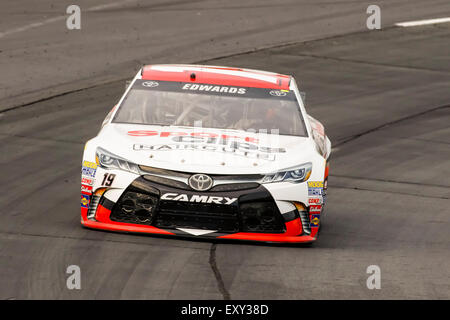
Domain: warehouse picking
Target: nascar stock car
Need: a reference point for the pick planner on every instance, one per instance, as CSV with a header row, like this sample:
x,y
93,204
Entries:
x,y
208,151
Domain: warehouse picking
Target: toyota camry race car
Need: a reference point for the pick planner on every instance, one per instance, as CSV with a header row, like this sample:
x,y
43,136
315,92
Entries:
x,y
208,151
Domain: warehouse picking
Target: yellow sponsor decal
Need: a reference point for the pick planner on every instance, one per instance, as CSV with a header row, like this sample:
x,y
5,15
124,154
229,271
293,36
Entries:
x,y
315,184
315,219
88,164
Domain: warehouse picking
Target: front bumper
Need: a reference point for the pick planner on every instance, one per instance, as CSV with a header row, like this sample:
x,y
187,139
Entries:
x,y
149,207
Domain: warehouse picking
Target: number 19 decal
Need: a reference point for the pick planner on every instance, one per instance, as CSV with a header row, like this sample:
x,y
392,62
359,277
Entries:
x,y
108,179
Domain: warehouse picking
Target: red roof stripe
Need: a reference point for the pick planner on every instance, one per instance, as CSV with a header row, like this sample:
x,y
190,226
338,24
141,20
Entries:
x,y
217,75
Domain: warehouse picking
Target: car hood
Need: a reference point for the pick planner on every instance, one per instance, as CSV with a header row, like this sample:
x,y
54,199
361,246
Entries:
x,y
205,150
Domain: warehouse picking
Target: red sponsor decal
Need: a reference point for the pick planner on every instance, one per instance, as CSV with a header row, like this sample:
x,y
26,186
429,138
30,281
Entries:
x,y
165,134
88,181
170,134
315,208
142,133
314,201
204,134
86,189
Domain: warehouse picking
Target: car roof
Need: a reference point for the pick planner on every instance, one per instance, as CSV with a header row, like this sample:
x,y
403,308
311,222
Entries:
x,y
217,75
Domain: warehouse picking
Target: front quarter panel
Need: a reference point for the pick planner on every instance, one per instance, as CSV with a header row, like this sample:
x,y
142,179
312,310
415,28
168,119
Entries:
x,y
111,182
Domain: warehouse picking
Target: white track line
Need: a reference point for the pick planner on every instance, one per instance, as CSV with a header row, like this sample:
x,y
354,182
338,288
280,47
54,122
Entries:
x,y
31,26
59,18
422,22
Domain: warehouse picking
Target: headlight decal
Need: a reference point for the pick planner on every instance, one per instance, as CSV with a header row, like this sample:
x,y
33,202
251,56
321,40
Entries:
x,y
107,160
297,174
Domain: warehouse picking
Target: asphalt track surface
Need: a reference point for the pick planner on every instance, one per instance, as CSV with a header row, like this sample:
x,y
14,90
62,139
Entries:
x,y
383,97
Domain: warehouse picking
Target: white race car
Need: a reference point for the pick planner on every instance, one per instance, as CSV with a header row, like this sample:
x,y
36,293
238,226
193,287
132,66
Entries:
x,y
208,151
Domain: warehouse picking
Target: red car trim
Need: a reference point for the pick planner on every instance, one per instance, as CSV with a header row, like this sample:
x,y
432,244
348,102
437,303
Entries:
x,y
292,234
218,76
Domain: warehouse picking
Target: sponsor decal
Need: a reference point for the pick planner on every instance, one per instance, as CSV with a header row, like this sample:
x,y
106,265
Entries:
x,y
277,93
237,150
315,184
315,191
89,164
206,141
315,208
213,88
87,181
88,169
86,189
315,220
85,200
150,84
220,138
197,198
89,172
315,201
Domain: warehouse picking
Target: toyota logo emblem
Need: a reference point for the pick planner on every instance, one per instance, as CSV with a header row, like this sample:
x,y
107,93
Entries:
x,y
150,84
200,182
277,93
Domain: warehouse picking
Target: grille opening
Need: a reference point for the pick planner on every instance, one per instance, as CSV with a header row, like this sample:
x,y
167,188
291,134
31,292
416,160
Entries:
x,y
261,217
251,222
143,215
230,187
173,214
135,207
128,206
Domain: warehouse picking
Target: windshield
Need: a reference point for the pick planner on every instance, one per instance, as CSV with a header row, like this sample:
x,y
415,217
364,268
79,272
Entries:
x,y
224,107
